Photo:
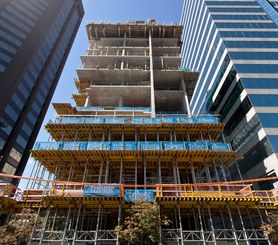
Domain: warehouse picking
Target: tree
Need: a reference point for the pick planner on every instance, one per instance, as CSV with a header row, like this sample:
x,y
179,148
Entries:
x,y
18,231
271,227
141,226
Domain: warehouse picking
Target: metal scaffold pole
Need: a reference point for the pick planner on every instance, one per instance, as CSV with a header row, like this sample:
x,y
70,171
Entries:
x,y
77,223
66,226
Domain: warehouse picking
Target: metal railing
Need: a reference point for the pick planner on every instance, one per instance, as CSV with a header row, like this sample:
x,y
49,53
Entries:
x,y
156,191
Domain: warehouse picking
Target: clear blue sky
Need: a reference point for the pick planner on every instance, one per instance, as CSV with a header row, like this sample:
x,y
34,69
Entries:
x,y
163,11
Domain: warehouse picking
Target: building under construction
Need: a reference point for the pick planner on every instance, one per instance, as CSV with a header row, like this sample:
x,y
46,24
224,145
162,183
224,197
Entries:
x,y
131,136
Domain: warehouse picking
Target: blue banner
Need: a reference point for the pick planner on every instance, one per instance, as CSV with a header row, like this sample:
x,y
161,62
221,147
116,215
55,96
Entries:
x,y
152,120
213,120
94,146
170,120
173,146
150,145
144,195
94,120
218,146
101,191
115,120
188,120
196,146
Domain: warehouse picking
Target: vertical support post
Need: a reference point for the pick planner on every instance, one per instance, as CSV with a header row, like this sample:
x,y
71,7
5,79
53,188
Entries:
x,y
100,171
193,173
44,224
119,222
211,224
66,226
145,172
136,170
85,171
54,218
106,171
180,224
242,224
159,171
97,226
83,215
201,225
71,170
232,224
76,225
121,172
159,223
31,175
34,227
151,74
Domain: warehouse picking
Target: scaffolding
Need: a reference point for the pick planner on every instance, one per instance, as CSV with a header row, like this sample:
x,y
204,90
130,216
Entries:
x,y
131,135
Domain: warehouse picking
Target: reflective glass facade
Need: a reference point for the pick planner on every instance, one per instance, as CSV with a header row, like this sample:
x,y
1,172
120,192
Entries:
x,y
233,45
35,39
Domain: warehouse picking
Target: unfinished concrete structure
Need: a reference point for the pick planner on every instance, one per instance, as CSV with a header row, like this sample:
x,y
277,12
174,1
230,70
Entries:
x,y
131,135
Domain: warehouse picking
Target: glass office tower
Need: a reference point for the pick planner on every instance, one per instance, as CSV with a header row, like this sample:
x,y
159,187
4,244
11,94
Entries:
x,y
233,44
35,39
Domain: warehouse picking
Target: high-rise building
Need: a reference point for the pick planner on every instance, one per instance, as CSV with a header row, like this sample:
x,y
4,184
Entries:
x,y
233,44
35,40
131,137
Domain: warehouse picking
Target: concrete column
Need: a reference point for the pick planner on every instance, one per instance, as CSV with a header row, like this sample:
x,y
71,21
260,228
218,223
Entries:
x,y
151,74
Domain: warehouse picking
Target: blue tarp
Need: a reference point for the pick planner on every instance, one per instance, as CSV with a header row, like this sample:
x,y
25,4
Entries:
x,y
96,191
144,195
